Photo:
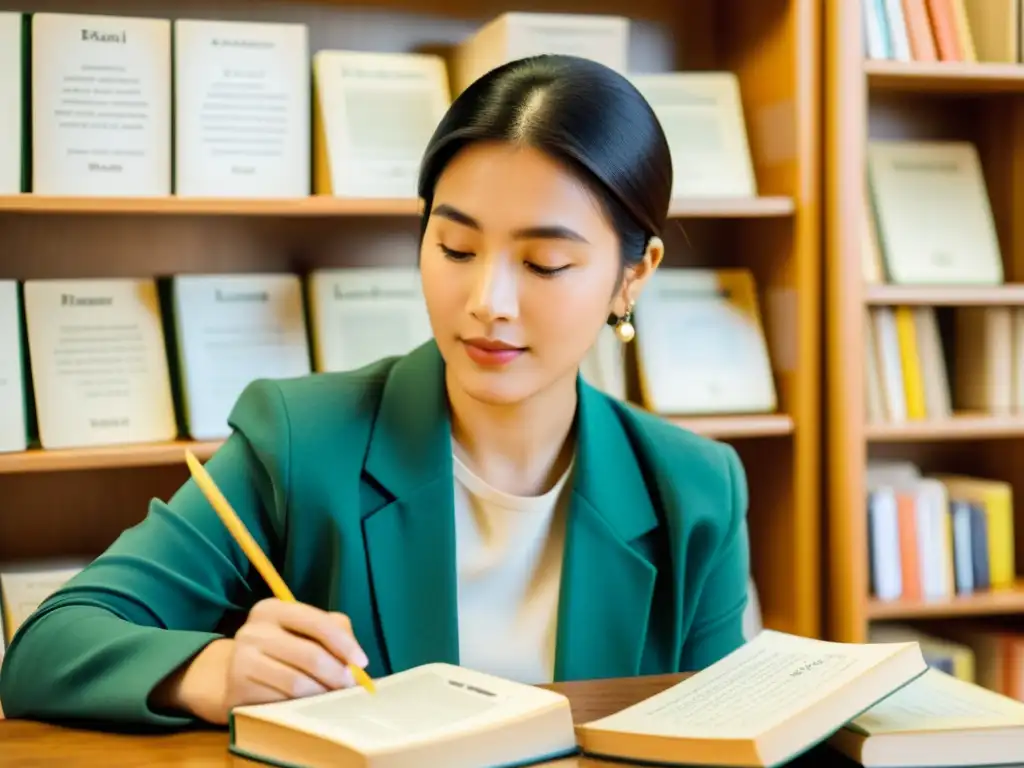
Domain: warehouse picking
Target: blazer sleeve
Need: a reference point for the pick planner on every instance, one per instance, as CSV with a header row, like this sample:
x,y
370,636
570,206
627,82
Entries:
x,y
97,648
717,626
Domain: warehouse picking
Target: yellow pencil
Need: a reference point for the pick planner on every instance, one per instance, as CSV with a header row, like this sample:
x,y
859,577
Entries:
x,y
251,548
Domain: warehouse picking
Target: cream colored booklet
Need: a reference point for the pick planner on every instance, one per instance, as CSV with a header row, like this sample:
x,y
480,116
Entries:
x,y
432,715
937,720
762,705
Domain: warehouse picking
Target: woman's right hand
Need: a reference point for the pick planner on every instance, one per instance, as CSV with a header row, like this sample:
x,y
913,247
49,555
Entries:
x,y
283,651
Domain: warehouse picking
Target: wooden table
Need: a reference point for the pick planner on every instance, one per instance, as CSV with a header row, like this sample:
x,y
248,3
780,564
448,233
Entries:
x,y
26,744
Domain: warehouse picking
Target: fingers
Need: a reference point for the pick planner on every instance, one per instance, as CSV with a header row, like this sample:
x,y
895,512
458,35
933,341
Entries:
x,y
332,630
274,680
307,656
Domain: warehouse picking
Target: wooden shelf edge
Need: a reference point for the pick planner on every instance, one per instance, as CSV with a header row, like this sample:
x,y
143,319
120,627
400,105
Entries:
x,y
732,208
944,76
1010,294
741,425
326,206
156,454
995,602
312,206
962,426
107,457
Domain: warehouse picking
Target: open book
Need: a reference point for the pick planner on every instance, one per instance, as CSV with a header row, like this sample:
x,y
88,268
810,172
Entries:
x,y
762,705
433,715
937,720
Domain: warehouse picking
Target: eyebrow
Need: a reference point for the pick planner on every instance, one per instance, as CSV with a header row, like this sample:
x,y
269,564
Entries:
x,y
547,232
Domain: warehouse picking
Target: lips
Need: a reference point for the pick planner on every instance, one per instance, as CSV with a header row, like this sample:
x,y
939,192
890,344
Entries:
x,y
491,352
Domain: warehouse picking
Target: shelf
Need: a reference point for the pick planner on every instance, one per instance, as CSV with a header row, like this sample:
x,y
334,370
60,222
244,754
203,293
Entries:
x,y
752,425
326,206
962,426
991,603
314,206
944,77
155,454
732,208
945,295
108,457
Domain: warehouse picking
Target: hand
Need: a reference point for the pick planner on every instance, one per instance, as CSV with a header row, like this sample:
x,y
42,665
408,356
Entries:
x,y
283,651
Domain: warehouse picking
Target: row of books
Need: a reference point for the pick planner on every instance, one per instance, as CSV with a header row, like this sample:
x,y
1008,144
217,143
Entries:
x,y
939,30
121,361
939,535
759,705
927,216
989,656
908,362
128,106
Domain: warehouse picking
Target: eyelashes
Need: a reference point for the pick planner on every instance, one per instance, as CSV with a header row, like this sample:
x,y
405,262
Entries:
x,y
462,256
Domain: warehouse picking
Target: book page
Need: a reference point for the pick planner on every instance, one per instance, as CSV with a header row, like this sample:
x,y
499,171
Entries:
x,y
101,105
99,362
242,109
233,329
720,364
24,588
703,120
422,704
934,217
765,682
379,112
12,143
359,316
937,702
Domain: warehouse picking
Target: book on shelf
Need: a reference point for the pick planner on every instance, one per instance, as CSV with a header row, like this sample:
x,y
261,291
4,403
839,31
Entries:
x,y
373,116
913,373
358,315
99,363
229,330
937,720
771,699
241,109
937,536
932,213
25,585
101,105
941,653
931,30
512,36
13,403
721,363
13,65
702,116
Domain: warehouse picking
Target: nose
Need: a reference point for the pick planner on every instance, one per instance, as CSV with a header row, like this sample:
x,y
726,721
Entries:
x,y
495,294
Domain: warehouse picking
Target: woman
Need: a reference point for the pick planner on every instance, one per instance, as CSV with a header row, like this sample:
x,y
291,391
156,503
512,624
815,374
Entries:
x,y
473,501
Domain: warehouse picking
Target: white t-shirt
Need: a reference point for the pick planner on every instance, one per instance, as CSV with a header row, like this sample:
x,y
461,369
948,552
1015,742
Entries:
x,y
509,560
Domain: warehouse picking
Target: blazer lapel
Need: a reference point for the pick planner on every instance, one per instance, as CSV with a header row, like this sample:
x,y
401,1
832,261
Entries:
x,y
607,584
410,541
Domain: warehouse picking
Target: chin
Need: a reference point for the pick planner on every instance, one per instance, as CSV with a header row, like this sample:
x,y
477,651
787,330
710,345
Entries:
x,y
494,389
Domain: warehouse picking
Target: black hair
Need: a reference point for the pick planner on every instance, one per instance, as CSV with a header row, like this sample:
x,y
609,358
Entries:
x,y
580,112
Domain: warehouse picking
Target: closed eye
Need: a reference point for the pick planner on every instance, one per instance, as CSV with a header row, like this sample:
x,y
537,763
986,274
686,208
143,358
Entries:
x,y
453,254
546,271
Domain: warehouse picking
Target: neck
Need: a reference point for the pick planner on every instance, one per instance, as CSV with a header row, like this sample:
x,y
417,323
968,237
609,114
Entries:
x,y
522,448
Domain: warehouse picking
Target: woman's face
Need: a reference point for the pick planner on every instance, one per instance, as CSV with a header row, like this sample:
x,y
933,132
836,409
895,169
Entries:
x,y
519,268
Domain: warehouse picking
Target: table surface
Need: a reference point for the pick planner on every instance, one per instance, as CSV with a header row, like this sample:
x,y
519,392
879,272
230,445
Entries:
x,y
25,744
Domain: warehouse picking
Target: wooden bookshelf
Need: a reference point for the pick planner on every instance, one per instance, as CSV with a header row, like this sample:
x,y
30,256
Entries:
x,y
75,502
324,206
981,102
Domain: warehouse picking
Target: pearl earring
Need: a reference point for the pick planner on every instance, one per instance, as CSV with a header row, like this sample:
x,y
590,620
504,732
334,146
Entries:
x,y
624,326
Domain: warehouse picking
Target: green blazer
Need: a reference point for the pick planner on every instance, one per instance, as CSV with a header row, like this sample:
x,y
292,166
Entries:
x,y
345,480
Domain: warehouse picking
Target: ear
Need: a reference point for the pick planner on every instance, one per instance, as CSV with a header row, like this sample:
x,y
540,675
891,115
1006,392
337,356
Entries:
x,y
636,277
